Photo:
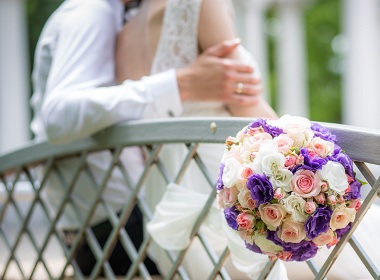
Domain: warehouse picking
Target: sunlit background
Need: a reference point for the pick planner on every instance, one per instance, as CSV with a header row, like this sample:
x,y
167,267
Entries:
x,y
320,58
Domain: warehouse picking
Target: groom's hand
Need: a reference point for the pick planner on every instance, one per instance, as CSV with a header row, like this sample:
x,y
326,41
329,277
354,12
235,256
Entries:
x,y
215,78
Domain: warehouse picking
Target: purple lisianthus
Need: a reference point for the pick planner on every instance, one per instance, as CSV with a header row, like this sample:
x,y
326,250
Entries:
x,y
231,214
301,251
310,163
272,130
253,247
322,132
354,192
318,222
260,187
219,183
340,232
344,160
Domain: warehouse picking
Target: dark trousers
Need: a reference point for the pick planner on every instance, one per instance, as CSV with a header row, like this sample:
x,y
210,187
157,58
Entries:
x,y
119,259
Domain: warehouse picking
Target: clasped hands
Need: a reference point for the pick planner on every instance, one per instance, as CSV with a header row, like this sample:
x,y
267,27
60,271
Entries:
x,y
215,77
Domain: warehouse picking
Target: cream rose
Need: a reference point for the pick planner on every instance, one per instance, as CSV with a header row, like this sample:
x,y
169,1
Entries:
x,y
341,217
284,143
295,205
305,183
324,238
267,246
245,199
272,215
321,147
291,231
254,142
335,175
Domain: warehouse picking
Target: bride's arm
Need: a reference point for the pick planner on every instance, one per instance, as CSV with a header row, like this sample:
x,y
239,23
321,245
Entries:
x,y
216,25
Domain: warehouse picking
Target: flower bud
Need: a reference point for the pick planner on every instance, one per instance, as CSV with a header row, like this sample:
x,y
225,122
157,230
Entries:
x,y
320,198
324,187
331,199
278,194
310,207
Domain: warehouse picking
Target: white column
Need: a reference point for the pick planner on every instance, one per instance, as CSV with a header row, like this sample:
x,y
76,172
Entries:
x,y
292,94
252,21
14,73
361,81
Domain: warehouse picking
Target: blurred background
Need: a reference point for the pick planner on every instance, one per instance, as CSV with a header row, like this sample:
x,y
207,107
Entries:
x,y
320,58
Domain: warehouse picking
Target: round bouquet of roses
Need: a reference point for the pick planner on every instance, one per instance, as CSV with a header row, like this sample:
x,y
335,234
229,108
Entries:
x,y
287,188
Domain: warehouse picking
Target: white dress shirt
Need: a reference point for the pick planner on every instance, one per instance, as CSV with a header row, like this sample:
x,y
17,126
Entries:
x,y
75,95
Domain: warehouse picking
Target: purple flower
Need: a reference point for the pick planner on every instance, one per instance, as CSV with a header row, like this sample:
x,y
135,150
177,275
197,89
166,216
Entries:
x,y
219,183
301,251
318,222
230,215
260,187
253,247
354,192
310,163
340,232
322,132
272,130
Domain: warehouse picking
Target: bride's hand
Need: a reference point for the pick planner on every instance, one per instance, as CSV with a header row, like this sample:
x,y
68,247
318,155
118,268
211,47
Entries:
x,y
215,78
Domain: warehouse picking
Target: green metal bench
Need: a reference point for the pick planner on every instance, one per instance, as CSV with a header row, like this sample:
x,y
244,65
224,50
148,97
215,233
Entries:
x,y
17,175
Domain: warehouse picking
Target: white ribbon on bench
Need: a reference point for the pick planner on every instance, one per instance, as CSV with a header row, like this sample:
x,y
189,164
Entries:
x,y
175,216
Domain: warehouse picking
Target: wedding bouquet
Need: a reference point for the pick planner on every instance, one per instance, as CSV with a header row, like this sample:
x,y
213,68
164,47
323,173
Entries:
x,y
287,188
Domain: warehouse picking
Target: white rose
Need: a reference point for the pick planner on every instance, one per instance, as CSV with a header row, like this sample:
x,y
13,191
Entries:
x,y
321,147
272,163
281,179
297,128
266,148
231,173
295,205
335,175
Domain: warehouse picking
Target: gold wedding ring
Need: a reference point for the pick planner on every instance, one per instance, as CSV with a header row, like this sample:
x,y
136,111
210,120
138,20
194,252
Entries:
x,y
239,88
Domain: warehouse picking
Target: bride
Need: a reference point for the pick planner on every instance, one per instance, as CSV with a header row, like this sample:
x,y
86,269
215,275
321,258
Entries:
x,y
171,34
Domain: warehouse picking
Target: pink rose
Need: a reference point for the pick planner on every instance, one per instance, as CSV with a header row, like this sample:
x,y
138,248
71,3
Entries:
x,y
245,221
324,238
228,196
272,215
305,183
291,231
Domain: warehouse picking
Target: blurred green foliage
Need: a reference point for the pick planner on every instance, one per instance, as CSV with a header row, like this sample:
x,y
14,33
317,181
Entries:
x,y
322,24
322,20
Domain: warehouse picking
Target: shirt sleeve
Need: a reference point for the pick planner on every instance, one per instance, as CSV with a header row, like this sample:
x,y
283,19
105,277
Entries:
x,y
80,99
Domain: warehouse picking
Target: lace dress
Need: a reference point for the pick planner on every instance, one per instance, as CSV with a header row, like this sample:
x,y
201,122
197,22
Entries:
x,y
177,48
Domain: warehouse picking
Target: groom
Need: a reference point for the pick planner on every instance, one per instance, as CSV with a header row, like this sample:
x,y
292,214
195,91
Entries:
x,y
75,95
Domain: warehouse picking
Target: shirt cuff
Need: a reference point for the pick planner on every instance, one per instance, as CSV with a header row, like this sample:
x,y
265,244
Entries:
x,y
163,88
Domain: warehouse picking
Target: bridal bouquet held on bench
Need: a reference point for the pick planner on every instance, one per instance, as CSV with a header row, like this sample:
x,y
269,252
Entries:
x,y
287,188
